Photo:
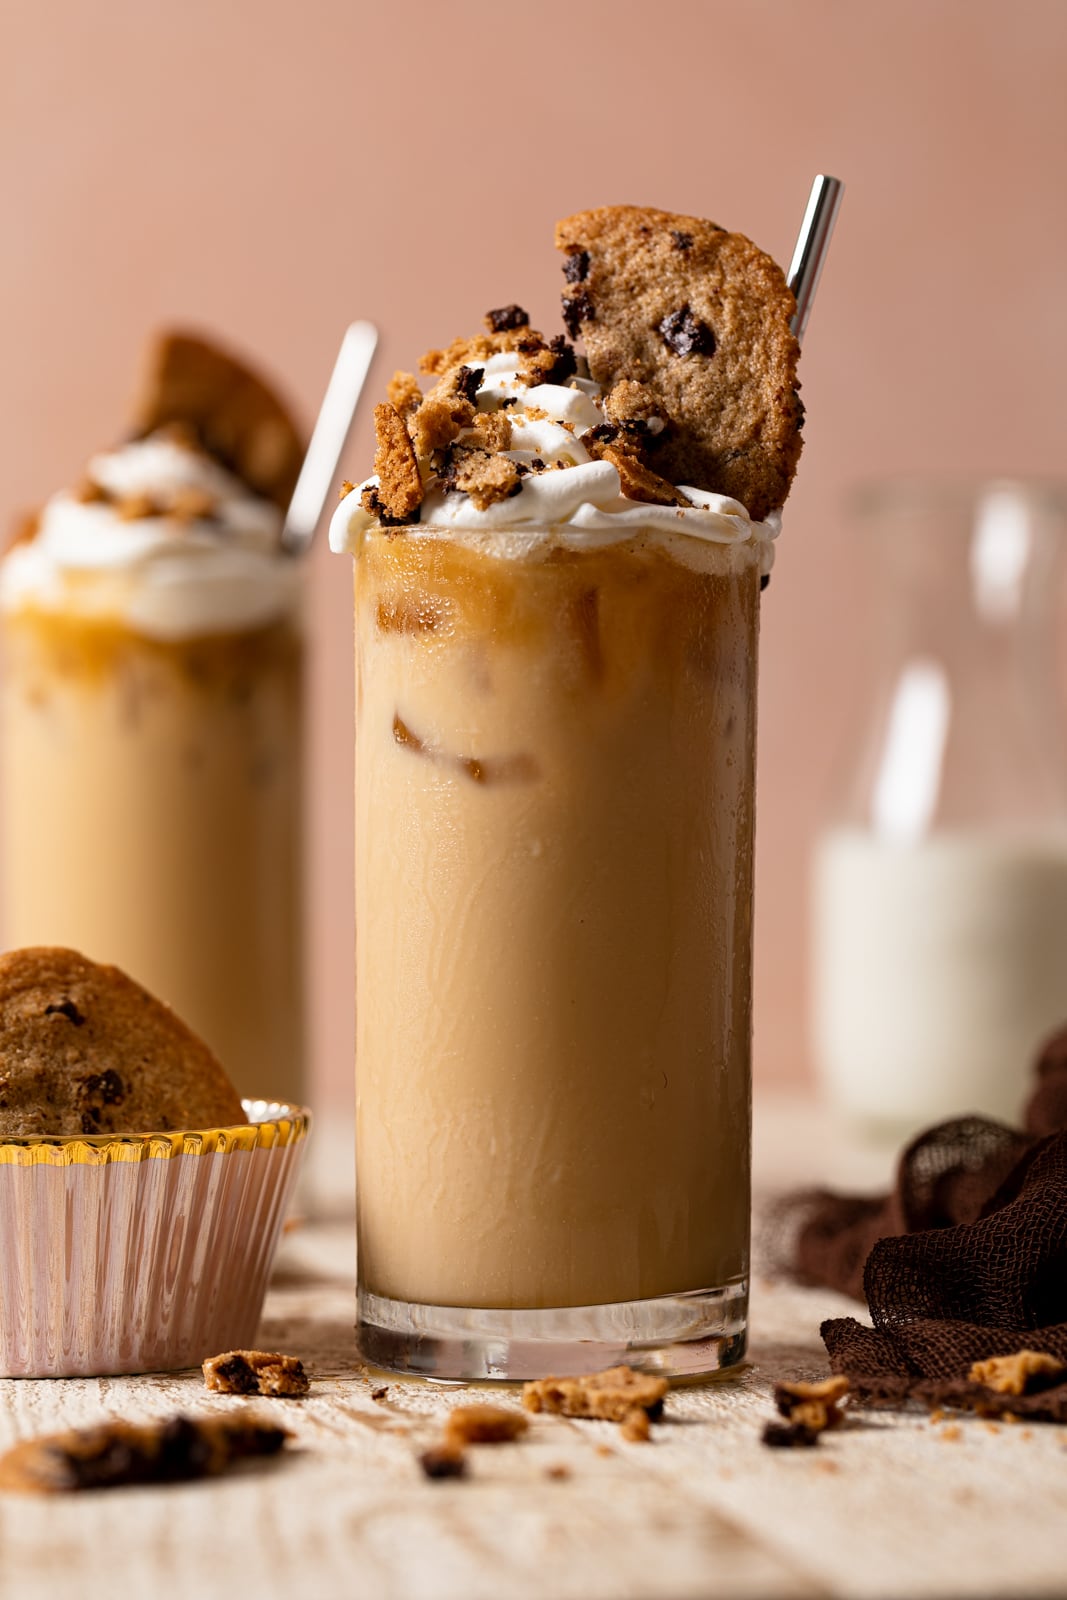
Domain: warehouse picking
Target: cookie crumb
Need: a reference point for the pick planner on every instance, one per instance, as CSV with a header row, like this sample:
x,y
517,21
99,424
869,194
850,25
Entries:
x,y
486,478
558,1472
952,1433
256,1372
136,508
635,1427
484,1424
609,1396
788,1436
380,1393
112,1454
347,488
1020,1373
404,392
812,1406
191,504
399,484
443,1461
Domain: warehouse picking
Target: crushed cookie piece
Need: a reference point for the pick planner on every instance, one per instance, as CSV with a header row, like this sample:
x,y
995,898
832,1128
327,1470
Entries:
x,y
553,362
256,1372
1020,1373
190,504
640,482
635,1427
788,1436
484,1424
813,1406
380,1393
116,1453
576,266
89,493
400,488
577,308
443,1461
558,1472
404,392
486,478
474,351
371,501
490,430
135,507
686,335
506,317
447,409
347,488
25,528
635,408
610,1395
952,1433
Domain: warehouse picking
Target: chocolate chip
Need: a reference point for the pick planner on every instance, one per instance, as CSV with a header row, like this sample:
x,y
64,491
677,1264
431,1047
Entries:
x,y
764,581
66,1008
468,380
686,335
237,1375
682,241
371,501
576,310
602,433
576,266
106,1086
537,465
507,317
565,364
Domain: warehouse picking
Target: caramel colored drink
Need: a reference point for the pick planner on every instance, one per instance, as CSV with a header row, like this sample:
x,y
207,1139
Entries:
x,y
554,918
151,816
151,735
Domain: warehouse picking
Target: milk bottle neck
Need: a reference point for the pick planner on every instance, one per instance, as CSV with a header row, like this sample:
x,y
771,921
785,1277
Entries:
x,y
964,729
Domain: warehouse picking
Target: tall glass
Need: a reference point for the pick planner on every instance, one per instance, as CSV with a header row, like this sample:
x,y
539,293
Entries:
x,y
554,827
151,817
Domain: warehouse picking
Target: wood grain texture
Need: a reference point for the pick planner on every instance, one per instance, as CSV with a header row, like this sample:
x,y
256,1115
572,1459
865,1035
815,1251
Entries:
x,y
888,1506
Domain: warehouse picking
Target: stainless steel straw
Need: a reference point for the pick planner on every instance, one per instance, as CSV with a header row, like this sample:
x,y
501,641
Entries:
x,y
805,269
329,437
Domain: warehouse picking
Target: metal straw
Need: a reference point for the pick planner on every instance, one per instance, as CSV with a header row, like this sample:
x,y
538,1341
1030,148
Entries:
x,y
329,437
805,269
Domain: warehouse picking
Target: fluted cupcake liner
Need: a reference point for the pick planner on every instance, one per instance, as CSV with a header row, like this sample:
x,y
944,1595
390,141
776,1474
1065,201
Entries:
x,y
140,1253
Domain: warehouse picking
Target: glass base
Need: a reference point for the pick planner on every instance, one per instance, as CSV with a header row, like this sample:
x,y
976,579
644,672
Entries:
x,y
704,1330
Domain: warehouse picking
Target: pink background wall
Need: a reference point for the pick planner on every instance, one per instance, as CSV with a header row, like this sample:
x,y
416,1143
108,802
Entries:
x,y
272,170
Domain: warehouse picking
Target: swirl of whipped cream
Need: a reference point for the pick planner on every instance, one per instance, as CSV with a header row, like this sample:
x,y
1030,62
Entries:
x,y
577,497
169,575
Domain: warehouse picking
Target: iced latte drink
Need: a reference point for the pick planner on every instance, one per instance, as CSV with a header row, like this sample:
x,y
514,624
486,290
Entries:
x,y
152,716
555,741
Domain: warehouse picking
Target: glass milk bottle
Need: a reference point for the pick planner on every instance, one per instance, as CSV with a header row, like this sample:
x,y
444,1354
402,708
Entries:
x,y
940,884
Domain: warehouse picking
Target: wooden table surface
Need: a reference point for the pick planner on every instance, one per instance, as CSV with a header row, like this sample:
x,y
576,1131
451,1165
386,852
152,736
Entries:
x,y
891,1505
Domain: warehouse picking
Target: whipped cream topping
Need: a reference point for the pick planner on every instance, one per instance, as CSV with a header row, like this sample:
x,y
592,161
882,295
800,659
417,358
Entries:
x,y
169,575
579,498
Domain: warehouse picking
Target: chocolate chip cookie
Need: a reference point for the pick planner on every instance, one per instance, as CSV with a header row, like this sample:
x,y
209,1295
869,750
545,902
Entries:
x,y
701,318
230,411
85,1050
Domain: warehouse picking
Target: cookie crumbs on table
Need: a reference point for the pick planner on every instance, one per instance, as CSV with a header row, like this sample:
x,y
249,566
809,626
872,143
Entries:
x,y
484,1424
114,1454
608,1396
256,1372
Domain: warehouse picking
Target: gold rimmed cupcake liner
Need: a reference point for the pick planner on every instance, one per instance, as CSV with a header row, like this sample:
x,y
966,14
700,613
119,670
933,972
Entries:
x,y
141,1253
273,1126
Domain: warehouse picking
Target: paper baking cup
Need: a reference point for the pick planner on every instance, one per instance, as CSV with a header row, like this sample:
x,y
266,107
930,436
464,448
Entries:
x,y
140,1253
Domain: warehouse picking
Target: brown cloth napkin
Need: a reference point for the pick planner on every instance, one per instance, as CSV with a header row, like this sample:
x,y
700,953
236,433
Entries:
x,y
966,1259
